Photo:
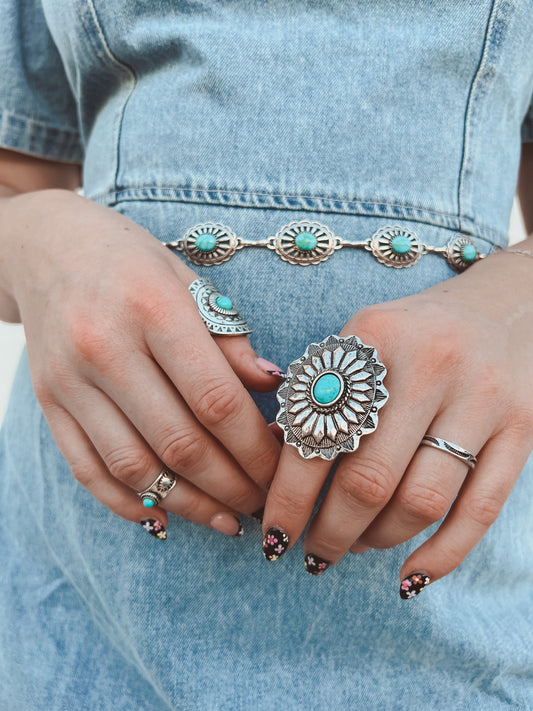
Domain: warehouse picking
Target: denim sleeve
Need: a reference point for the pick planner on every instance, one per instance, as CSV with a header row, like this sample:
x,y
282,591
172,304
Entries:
x,y
527,125
37,108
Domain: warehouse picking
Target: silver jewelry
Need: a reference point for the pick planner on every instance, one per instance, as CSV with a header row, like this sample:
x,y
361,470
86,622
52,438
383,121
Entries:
x,y
306,243
158,489
524,252
463,454
330,397
217,310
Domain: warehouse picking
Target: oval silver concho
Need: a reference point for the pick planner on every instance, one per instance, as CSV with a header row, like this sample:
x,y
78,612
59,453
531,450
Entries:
x,y
322,417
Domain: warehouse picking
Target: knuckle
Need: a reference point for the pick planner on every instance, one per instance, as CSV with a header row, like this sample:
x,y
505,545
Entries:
x,y
129,464
484,509
368,484
84,474
89,339
377,324
296,507
182,449
219,401
423,503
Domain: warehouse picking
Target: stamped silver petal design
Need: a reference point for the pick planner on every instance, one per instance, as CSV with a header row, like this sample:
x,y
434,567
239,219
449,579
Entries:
x,y
219,320
331,396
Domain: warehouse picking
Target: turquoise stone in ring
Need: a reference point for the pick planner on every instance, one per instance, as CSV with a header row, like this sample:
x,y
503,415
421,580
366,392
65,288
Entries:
x,y
148,503
468,252
327,388
306,241
400,244
206,242
224,302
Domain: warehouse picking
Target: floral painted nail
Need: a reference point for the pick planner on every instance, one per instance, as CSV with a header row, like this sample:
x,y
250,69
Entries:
x,y
413,585
258,515
275,543
315,565
154,528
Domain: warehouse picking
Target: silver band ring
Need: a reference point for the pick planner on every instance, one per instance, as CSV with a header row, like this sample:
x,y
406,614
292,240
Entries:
x,y
158,489
463,454
217,311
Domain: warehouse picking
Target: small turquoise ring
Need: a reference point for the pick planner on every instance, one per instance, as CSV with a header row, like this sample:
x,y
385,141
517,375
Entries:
x,y
217,311
158,489
330,397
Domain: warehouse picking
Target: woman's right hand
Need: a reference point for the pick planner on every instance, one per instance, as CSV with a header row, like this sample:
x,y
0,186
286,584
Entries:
x,y
128,376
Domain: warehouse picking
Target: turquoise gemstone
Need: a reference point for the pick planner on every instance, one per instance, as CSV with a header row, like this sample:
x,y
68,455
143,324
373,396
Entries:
x,y
469,252
400,244
206,242
305,241
327,388
224,302
148,503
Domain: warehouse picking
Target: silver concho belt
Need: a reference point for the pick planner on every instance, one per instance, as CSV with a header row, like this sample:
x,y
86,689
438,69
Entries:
x,y
306,243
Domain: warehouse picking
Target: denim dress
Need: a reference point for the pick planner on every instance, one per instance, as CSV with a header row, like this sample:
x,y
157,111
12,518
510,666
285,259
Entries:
x,y
359,116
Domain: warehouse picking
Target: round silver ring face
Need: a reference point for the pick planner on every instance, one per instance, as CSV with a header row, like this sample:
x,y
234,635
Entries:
x,y
331,397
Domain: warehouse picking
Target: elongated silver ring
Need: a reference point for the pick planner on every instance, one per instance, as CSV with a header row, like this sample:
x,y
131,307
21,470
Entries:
x,y
331,396
463,454
158,489
218,312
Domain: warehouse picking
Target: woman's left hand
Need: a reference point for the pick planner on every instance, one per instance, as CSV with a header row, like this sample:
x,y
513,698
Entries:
x,y
459,361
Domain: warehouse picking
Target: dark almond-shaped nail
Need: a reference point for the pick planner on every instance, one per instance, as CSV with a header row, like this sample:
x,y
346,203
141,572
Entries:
x,y
155,528
275,543
413,585
315,565
258,515
267,367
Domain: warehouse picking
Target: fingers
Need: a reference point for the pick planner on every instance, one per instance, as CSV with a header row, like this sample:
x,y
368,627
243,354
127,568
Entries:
x,y
475,510
175,438
89,470
363,483
212,390
247,365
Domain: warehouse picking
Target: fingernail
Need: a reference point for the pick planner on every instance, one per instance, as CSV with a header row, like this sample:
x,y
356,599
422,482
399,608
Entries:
x,y
258,515
154,528
276,431
413,585
359,548
228,524
275,543
315,565
268,367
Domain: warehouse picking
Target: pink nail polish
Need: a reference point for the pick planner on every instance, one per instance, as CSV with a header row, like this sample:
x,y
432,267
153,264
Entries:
x,y
268,367
227,523
359,548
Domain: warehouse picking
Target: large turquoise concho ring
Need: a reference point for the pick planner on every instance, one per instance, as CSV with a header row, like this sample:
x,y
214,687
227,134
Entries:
x,y
217,311
331,396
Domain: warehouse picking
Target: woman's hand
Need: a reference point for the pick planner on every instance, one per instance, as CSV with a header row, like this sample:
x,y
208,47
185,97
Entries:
x,y
128,376
459,358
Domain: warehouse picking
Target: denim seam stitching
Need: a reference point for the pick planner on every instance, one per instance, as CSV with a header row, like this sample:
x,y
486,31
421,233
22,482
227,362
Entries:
x,y
470,105
321,204
125,68
32,121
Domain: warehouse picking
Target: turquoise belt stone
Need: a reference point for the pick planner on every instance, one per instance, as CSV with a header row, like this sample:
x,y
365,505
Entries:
x,y
217,311
305,243
331,396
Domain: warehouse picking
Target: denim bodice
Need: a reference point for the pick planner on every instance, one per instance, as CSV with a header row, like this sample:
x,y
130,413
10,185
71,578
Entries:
x,y
399,110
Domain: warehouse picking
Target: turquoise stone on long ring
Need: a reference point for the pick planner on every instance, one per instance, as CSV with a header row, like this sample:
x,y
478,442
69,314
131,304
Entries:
x,y
400,244
305,241
224,302
468,252
206,242
327,388
149,503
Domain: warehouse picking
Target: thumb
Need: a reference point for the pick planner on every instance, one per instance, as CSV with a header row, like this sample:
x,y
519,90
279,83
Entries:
x,y
249,367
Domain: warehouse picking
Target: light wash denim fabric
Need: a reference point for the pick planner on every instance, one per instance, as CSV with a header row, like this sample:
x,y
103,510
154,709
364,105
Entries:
x,y
254,114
